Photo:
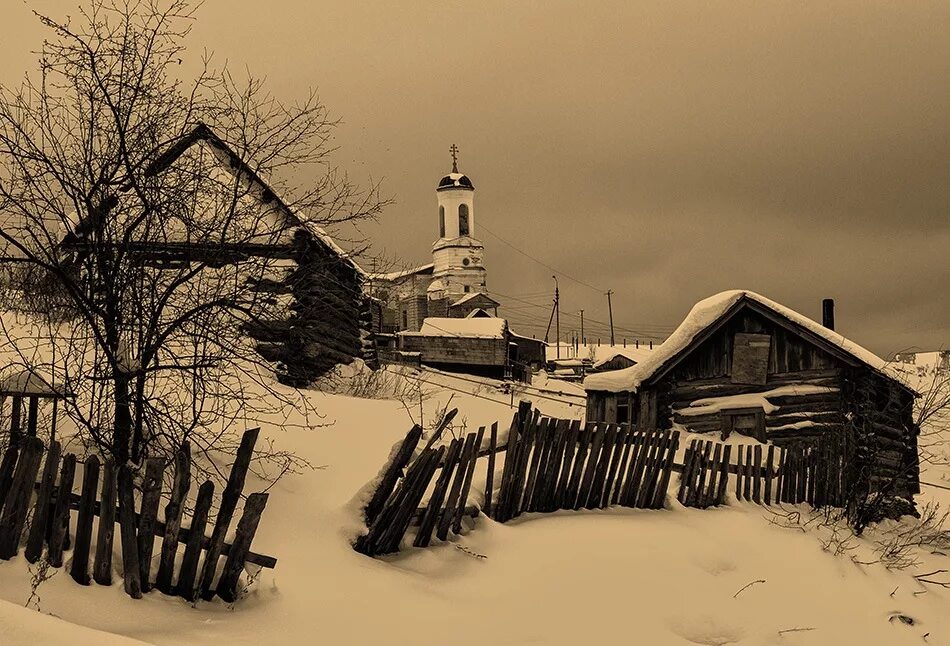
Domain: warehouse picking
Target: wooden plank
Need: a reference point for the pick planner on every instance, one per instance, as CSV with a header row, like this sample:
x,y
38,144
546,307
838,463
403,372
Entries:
x,y
632,489
229,500
656,468
587,481
247,527
723,475
757,479
570,448
490,475
90,478
507,474
747,479
547,447
577,469
603,462
532,473
60,520
659,498
401,521
769,461
151,497
467,484
41,510
187,587
131,573
373,542
548,501
434,508
387,482
102,565
448,514
173,512
709,498
696,494
686,472
740,471
627,448
529,441
802,474
619,447
18,499
7,465
15,414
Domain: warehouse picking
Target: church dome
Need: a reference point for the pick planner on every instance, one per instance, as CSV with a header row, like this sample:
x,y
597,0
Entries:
x,y
455,180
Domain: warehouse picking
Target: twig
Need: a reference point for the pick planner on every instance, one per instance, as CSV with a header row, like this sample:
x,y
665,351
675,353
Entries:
x,y
794,630
748,585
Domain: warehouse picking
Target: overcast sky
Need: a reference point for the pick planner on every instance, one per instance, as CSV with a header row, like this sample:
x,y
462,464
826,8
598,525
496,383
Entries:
x,y
664,150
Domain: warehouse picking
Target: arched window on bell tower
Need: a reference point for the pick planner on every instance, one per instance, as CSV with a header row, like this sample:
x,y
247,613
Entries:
x,y
441,221
463,219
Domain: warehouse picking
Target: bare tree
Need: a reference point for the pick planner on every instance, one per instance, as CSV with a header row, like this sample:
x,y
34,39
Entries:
x,y
135,213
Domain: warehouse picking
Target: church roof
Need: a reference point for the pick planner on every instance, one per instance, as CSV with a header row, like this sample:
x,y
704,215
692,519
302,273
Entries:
x,y
396,275
474,295
455,180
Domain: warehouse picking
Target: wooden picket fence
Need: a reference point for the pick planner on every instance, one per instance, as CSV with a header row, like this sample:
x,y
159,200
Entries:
x,y
552,464
555,464
814,472
52,502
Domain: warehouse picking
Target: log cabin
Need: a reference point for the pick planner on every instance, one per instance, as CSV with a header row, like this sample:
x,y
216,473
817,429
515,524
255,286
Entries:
x,y
327,317
741,363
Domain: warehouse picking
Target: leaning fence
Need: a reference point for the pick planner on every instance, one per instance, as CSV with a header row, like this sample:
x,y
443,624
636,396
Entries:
x,y
40,513
551,464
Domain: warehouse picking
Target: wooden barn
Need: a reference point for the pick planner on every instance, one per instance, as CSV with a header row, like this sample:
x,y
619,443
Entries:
x,y
327,316
483,346
740,363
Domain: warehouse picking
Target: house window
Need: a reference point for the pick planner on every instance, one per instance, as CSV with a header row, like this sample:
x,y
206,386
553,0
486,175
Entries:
x,y
623,413
463,219
744,421
441,221
405,320
750,358
467,289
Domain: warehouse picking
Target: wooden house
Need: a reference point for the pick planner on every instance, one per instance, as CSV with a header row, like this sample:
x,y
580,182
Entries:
x,y
483,346
740,363
327,316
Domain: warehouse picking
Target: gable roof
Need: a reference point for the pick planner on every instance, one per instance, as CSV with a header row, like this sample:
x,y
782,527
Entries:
x,y
403,273
709,315
477,328
232,163
472,296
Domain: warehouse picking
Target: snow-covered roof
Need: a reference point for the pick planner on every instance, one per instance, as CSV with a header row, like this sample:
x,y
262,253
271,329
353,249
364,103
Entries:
x,y
29,382
455,180
634,354
396,275
706,313
469,297
480,328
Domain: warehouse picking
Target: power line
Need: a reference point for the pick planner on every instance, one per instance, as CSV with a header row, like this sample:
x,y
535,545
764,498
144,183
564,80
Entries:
x,y
540,262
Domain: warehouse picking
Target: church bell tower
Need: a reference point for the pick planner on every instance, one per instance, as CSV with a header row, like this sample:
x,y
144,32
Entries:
x,y
457,254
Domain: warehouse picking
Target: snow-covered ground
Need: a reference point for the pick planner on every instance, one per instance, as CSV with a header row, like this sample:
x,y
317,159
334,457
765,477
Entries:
x,y
675,576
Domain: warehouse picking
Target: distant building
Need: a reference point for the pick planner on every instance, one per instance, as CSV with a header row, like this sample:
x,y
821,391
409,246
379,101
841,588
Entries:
x,y
477,345
453,285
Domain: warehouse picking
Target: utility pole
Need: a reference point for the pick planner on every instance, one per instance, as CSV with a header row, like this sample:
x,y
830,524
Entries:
x,y
557,309
610,310
583,338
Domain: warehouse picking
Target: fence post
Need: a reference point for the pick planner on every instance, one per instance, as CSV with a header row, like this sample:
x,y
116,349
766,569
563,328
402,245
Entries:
x,y
18,500
87,502
173,511
41,510
247,527
102,565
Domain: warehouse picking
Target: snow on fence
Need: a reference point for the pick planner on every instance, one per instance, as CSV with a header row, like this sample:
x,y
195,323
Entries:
x,y
553,464
52,505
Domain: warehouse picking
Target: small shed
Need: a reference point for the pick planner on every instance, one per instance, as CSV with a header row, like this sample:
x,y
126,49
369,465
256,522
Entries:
x,y
741,363
476,345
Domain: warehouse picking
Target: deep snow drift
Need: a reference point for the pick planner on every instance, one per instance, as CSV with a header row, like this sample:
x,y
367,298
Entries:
x,y
637,576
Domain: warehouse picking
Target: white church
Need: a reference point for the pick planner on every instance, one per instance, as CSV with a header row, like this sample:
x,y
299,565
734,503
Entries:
x,y
454,284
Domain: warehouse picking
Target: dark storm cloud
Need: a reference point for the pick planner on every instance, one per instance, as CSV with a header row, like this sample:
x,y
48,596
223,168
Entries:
x,y
664,150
